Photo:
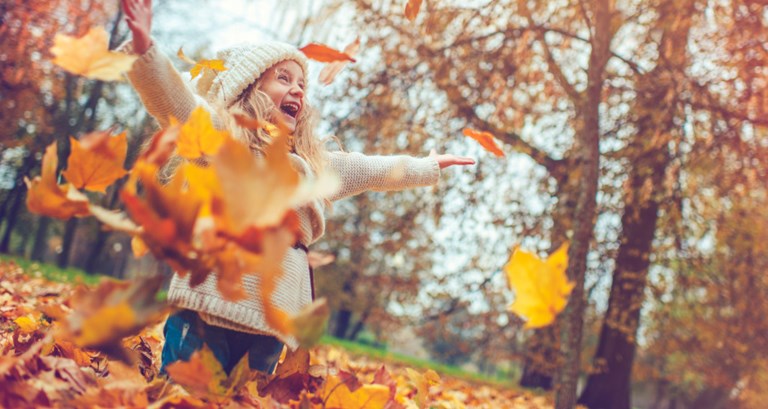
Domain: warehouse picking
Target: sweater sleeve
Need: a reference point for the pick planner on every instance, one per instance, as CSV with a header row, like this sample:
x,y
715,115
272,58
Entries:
x,y
360,173
161,88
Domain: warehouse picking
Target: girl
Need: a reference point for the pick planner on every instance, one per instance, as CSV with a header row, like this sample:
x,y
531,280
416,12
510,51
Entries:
x,y
266,80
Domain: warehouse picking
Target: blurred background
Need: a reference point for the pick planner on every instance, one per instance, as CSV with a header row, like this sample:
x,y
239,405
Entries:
x,y
676,281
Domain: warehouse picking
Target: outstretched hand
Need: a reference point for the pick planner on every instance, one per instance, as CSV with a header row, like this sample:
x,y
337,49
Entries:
x,y
138,15
445,160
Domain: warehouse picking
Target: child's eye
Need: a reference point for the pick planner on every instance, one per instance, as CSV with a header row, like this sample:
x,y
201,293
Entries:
x,y
282,77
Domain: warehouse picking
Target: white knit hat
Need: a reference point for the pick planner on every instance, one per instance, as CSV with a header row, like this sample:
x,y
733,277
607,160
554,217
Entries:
x,y
245,63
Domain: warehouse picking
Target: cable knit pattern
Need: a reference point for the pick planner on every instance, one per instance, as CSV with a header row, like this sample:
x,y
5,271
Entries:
x,y
165,93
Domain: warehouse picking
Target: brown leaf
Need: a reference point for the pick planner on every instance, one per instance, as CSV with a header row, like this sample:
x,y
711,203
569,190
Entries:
x,y
330,71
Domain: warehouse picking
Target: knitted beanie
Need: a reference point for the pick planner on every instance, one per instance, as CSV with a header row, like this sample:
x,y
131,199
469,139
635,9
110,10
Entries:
x,y
245,63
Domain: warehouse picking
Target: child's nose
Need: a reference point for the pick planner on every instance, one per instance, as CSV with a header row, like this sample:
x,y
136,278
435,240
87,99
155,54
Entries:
x,y
297,91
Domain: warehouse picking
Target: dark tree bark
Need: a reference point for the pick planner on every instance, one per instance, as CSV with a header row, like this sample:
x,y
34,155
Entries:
x,y
19,189
41,239
67,243
609,386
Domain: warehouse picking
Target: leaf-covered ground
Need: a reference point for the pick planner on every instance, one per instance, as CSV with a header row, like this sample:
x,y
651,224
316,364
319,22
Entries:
x,y
40,366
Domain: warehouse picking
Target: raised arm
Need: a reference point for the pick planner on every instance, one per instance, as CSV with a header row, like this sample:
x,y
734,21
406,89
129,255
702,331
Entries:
x,y
360,173
161,88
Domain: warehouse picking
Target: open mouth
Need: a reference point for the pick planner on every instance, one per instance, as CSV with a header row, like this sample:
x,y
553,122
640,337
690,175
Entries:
x,y
290,108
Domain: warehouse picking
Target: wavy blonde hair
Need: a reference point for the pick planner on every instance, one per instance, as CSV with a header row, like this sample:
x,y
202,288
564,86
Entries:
x,y
256,104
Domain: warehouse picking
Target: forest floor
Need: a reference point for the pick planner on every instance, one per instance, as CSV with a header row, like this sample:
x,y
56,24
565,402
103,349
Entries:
x,y
38,368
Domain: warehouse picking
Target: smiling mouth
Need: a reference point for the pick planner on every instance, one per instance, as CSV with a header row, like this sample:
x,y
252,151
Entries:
x,y
291,109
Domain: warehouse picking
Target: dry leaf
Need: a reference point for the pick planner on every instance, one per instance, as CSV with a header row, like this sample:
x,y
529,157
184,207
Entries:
x,y
323,53
309,324
97,162
412,9
339,395
330,71
541,287
90,57
198,136
48,198
485,139
199,66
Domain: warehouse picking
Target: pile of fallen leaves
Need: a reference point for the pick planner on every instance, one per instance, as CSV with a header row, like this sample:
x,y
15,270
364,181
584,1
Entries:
x,y
40,366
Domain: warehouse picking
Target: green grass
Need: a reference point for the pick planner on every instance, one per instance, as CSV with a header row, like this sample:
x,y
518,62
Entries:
x,y
52,272
383,355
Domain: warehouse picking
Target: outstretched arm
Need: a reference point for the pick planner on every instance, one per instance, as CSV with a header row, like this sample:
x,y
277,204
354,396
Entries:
x,y
162,90
360,173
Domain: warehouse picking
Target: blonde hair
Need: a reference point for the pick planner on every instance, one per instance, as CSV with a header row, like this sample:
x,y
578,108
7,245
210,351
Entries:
x,y
258,105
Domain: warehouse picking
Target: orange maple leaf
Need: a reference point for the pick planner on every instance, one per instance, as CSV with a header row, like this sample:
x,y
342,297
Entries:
x,y
199,66
47,197
90,57
412,9
96,161
323,53
330,71
486,140
198,136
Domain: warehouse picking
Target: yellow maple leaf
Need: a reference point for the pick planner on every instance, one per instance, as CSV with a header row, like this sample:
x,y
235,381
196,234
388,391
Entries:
x,y
541,287
96,161
198,136
90,57
338,396
199,66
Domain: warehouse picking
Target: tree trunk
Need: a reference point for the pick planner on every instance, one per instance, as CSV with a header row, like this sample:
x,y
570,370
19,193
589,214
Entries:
x,y
40,245
343,318
588,165
12,218
67,243
610,385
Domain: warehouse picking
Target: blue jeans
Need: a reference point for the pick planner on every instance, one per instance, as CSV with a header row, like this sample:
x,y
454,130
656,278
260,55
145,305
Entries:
x,y
185,332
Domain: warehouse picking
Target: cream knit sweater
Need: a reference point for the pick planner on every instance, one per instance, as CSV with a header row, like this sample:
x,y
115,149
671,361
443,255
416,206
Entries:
x,y
165,93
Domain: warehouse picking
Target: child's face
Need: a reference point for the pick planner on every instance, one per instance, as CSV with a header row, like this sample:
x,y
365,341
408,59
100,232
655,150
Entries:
x,y
284,83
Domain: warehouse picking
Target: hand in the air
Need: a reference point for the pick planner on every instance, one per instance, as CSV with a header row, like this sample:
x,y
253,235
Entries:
x,y
138,15
445,160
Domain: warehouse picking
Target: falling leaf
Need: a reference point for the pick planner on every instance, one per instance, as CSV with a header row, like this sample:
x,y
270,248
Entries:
x,y
198,136
199,66
90,57
323,53
319,259
330,71
541,287
47,197
259,192
485,139
412,9
309,325
104,315
161,146
97,162
114,220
